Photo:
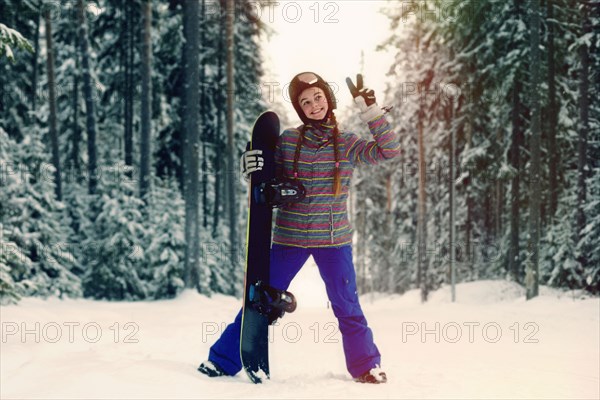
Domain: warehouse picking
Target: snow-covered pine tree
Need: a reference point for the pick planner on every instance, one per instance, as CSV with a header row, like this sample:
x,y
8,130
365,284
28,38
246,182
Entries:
x,y
591,232
35,226
114,245
88,67
9,39
561,248
168,86
16,74
248,97
71,119
33,218
418,98
11,259
559,266
14,262
588,243
164,240
376,268
483,65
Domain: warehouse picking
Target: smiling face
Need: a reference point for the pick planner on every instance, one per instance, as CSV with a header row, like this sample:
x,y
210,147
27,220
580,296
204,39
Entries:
x,y
313,103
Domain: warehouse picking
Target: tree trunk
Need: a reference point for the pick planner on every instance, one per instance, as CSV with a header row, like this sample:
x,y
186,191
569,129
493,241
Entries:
x,y
231,168
146,74
388,272
532,273
217,143
452,198
499,205
514,263
513,260
584,124
467,256
552,114
72,160
76,136
190,142
34,62
218,180
89,99
204,124
204,178
422,222
129,87
52,128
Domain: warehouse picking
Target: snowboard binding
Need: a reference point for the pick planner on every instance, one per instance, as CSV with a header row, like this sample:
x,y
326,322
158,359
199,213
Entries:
x,y
269,301
279,191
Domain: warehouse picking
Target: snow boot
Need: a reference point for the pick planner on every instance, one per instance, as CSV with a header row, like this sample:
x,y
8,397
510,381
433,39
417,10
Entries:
x,y
375,375
211,369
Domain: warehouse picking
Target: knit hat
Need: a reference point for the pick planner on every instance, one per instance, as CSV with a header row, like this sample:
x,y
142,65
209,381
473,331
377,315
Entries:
x,y
303,81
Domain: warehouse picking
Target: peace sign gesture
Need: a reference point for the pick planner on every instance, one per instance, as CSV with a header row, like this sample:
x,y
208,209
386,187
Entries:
x,y
367,94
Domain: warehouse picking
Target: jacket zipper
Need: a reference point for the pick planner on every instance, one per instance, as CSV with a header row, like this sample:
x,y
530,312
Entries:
x,y
331,223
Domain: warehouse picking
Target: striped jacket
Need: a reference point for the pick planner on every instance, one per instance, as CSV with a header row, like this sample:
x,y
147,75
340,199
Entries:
x,y
321,219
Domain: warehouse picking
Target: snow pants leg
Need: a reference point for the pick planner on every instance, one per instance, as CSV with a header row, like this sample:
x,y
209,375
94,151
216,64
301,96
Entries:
x,y
286,261
337,270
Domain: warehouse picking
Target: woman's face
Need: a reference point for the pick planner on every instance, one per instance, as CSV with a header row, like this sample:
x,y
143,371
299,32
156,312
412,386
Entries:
x,y
313,103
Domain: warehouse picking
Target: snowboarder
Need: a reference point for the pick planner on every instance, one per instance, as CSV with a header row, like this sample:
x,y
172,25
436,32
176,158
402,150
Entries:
x,y
323,158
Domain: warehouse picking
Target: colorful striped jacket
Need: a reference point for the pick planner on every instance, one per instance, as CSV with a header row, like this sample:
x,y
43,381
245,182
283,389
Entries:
x,y
321,219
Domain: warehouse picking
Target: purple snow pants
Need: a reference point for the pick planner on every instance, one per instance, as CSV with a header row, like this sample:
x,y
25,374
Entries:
x,y
337,270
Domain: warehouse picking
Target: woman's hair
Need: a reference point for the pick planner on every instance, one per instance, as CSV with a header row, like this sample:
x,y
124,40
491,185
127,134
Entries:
x,y
337,184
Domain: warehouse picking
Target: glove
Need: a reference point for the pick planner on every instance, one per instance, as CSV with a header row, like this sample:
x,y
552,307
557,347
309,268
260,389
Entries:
x,y
364,98
250,161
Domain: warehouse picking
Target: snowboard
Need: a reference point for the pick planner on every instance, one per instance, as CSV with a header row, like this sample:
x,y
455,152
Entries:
x,y
254,338
263,304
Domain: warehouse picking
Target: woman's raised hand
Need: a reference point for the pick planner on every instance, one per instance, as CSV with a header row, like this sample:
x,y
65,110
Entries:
x,y
364,98
359,90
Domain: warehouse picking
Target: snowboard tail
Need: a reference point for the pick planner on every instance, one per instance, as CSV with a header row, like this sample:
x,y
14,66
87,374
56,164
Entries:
x,y
254,346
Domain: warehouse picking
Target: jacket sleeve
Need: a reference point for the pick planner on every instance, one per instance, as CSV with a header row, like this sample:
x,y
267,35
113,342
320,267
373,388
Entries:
x,y
384,146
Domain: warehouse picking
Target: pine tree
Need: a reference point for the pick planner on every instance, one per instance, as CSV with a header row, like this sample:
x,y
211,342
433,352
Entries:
x,y
10,37
16,68
583,128
164,240
103,77
13,258
485,57
31,217
114,243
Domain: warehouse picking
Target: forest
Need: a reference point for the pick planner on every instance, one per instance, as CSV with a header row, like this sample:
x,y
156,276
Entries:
x,y
122,123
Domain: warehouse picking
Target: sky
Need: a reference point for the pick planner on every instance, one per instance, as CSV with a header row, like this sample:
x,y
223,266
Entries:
x,y
328,38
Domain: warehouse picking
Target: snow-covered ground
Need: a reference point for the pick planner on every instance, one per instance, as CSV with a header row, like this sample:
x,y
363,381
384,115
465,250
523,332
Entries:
x,y
491,343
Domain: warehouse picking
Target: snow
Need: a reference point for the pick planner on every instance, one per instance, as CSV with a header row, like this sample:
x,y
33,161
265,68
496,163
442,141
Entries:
x,y
490,343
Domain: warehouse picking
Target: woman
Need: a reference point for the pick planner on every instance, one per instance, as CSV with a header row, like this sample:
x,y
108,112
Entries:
x,y
322,158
